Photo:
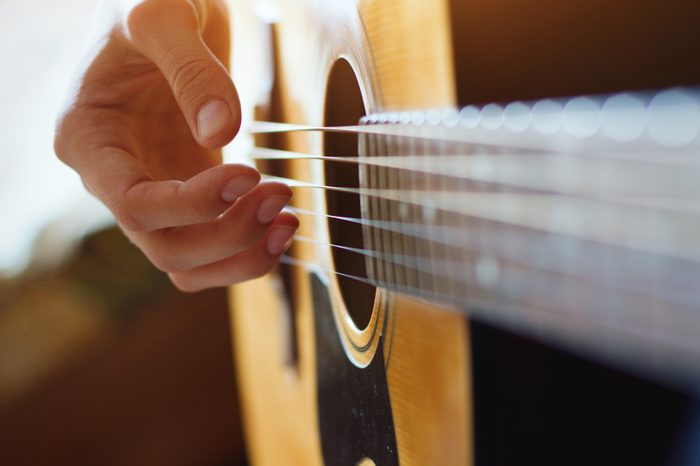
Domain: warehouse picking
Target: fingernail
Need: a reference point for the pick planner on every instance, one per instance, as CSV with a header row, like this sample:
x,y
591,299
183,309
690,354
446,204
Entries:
x,y
280,239
270,207
212,118
238,186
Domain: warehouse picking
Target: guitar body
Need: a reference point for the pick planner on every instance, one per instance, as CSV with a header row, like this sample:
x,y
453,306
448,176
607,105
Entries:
x,y
339,373
402,380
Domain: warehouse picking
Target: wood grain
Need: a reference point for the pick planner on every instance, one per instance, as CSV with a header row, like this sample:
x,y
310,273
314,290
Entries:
x,y
400,51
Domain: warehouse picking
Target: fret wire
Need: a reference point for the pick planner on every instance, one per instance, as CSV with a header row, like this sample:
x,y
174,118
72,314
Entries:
x,y
406,241
378,237
391,150
435,218
382,183
423,279
442,183
421,210
365,177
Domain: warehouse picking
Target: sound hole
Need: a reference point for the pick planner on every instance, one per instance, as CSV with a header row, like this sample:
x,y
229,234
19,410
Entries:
x,y
344,106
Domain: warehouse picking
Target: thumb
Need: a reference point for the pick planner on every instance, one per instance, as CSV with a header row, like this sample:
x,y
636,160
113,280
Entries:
x,y
168,32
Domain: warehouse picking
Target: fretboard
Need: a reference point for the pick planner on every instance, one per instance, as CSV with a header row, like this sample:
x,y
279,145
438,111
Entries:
x,y
572,220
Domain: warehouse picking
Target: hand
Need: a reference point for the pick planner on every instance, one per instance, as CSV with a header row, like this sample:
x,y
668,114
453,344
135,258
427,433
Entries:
x,y
144,129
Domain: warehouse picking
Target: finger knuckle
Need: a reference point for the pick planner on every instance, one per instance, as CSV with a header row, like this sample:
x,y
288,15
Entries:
x,y
146,13
66,128
162,254
184,284
189,208
191,77
235,241
60,146
165,263
126,219
140,16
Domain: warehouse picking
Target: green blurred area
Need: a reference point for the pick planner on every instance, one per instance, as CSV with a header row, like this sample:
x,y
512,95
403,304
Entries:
x,y
103,361
49,316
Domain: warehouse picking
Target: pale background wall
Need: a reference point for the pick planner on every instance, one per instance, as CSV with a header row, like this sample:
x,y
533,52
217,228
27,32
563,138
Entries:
x,y
41,43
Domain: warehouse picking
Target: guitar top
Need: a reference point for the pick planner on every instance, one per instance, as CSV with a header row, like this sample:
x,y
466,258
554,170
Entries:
x,y
499,219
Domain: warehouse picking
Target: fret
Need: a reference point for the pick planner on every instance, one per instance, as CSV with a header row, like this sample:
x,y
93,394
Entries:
x,y
393,149
375,211
426,216
404,215
455,276
424,278
384,208
365,176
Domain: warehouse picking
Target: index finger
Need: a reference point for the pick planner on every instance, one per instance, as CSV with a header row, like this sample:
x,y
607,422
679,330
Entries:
x,y
142,204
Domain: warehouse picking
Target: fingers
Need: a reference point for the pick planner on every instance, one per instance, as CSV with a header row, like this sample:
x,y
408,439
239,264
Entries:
x,y
250,264
154,205
168,32
237,230
141,204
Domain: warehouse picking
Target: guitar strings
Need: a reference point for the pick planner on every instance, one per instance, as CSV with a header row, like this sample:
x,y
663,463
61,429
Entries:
x,y
681,158
654,202
518,313
668,347
475,305
656,231
446,269
425,294
579,197
491,243
410,163
417,132
522,308
631,185
480,136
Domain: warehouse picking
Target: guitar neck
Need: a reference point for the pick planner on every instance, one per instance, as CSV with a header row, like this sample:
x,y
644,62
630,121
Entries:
x,y
572,220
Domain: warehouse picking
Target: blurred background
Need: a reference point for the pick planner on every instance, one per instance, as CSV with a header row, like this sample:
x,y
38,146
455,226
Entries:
x,y
102,361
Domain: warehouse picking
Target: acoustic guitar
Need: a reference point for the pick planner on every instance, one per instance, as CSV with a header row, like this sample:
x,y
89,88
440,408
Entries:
x,y
499,253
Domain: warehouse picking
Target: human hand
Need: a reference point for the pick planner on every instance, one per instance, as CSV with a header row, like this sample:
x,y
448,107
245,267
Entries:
x,y
144,127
